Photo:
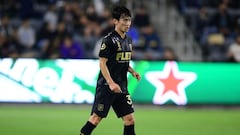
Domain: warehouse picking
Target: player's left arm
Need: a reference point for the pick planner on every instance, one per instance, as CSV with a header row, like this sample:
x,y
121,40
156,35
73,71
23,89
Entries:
x,y
134,73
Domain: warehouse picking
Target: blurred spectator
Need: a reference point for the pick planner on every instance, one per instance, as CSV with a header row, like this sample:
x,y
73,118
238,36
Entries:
x,y
233,54
45,37
61,31
81,25
141,18
3,46
107,27
13,45
169,55
46,32
27,37
150,45
10,7
26,34
36,28
9,46
5,49
5,28
233,4
106,22
236,24
216,47
70,49
183,5
222,19
53,49
66,16
99,6
202,22
89,29
215,26
92,30
51,17
217,42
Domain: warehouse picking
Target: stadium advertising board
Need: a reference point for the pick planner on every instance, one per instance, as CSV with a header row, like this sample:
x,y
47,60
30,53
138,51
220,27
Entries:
x,y
73,81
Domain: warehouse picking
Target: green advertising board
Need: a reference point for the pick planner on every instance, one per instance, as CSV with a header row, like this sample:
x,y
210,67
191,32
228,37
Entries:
x,y
73,81
188,83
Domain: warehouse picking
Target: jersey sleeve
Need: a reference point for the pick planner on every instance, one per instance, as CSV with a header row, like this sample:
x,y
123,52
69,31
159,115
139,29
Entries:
x,y
105,48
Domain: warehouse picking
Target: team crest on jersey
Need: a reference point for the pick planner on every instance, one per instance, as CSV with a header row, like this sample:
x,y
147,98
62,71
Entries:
x,y
103,46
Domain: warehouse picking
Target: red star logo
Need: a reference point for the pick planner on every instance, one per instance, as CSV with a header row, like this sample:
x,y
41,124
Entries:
x,y
170,84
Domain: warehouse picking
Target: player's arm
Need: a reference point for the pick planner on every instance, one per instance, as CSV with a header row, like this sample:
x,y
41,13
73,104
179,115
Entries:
x,y
134,73
105,72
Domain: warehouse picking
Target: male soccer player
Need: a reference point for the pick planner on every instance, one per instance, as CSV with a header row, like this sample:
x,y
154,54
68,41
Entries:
x,y
111,90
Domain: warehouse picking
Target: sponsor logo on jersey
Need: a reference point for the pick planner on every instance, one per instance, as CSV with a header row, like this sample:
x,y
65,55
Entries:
x,y
123,56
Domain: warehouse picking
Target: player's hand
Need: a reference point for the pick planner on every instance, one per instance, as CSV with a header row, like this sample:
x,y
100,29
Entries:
x,y
114,87
136,75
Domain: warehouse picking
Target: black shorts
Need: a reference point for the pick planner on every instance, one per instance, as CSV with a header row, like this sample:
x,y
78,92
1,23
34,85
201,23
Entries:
x,y
105,98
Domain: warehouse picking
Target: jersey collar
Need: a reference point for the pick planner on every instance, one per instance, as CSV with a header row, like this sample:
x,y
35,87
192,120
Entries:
x,y
115,32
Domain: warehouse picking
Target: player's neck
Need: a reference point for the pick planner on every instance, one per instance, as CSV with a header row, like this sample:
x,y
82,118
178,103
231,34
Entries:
x,y
121,33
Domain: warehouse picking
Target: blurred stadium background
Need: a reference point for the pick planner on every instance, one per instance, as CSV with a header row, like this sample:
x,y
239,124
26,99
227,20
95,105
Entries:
x,y
187,51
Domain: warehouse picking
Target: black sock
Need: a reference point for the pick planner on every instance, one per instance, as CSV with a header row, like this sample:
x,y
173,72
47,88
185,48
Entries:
x,y
87,128
129,130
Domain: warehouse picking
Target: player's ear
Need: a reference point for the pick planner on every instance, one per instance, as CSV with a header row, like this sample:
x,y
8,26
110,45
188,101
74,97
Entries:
x,y
114,20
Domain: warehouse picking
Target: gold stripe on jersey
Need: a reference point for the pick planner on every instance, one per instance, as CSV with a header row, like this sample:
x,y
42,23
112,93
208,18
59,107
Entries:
x,y
119,46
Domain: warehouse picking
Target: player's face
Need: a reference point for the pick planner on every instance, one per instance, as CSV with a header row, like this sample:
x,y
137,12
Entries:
x,y
124,23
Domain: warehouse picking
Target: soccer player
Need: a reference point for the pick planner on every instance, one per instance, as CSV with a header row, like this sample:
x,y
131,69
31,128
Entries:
x,y
111,90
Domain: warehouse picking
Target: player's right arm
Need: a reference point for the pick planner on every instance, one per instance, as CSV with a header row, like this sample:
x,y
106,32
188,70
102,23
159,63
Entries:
x,y
104,55
105,72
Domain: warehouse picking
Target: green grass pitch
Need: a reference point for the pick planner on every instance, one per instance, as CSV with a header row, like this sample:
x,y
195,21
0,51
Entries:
x,y
68,119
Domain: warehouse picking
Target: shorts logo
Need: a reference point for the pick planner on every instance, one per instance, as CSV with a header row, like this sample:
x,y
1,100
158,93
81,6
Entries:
x,y
100,107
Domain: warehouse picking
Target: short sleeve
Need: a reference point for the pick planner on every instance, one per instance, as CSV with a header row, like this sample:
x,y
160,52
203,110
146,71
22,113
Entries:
x,y
105,48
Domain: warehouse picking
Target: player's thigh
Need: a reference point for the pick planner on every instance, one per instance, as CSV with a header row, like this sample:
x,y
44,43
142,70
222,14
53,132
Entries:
x,y
122,105
103,101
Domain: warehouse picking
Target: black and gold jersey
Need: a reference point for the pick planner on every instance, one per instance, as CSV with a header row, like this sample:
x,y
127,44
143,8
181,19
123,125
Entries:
x,y
118,51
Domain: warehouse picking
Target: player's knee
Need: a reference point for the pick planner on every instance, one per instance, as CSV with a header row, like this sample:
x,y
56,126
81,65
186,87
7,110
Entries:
x,y
95,119
129,120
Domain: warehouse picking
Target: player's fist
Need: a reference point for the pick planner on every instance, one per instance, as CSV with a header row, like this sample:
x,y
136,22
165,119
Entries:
x,y
136,75
115,87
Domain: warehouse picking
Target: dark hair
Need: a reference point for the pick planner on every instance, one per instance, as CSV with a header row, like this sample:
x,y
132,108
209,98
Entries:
x,y
119,11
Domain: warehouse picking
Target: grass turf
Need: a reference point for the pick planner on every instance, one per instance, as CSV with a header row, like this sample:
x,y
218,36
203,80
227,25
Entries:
x,y
68,119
